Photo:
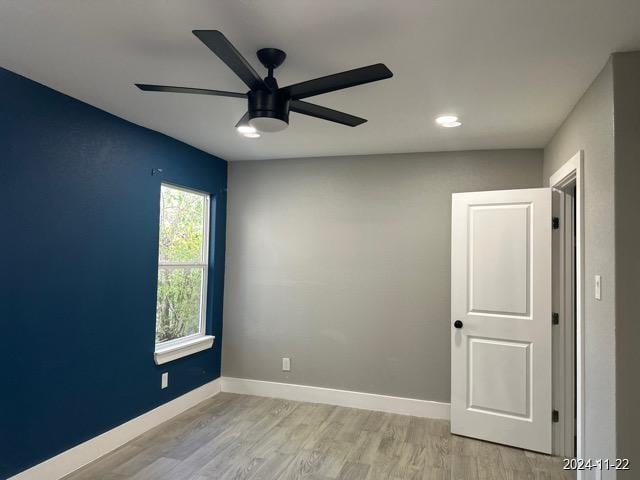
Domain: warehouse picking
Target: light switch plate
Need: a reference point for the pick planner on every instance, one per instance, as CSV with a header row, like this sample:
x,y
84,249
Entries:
x,y
165,380
286,364
598,287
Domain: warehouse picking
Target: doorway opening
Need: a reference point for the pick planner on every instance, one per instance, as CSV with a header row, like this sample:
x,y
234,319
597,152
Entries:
x,y
567,331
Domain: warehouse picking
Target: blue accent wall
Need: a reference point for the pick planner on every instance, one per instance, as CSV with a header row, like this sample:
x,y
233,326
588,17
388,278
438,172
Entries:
x,y
79,211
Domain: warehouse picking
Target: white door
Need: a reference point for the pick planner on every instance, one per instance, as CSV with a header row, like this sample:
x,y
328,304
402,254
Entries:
x,y
501,317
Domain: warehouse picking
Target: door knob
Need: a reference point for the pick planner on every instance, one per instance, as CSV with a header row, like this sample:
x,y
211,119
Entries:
x,y
458,324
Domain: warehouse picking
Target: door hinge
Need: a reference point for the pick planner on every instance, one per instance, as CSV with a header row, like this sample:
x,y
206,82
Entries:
x,y
555,223
555,318
555,416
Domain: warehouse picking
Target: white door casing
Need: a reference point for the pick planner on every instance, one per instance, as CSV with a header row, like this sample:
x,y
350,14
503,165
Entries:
x,y
501,292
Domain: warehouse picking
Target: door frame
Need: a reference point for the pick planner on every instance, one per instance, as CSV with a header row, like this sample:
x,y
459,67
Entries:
x,y
572,171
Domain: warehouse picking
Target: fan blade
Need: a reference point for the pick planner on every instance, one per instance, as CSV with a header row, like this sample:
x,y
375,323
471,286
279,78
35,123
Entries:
x,y
325,113
225,50
197,91
338,81
244,120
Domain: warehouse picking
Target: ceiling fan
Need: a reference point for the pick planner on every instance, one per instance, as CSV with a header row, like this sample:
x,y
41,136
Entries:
x,y
268,104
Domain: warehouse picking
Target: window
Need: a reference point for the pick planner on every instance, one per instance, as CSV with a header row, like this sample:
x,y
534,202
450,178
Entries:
x,y
182,273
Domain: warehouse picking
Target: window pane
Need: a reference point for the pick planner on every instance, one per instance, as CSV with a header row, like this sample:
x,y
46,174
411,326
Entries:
x,y
181,225
178,308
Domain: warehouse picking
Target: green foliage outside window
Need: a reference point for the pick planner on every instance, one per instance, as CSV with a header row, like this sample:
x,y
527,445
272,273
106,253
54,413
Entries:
x,y
181,242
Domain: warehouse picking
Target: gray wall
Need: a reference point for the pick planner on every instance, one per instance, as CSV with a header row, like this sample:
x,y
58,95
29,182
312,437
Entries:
x,y
343,264
590,127
626,68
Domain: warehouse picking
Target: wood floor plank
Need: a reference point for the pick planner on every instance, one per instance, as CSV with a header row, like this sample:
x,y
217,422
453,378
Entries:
x,y
489,471
463,467
234,454
514,459
437,452
375,421
305,465
324,438
297,436
155,469
414,456
272,467
270,442
435,473
334,460
381,470
393,436
437,427
366,448
319,414
417,431
354,471
108,463
242,471
242,437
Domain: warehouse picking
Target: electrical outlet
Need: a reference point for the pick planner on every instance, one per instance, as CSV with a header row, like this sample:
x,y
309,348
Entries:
x,y
165,380
286,364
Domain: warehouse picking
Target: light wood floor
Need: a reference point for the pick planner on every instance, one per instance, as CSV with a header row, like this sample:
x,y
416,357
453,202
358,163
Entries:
x,y
245,437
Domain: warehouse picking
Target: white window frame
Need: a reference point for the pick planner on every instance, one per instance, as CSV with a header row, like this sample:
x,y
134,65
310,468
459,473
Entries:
x,y
196,342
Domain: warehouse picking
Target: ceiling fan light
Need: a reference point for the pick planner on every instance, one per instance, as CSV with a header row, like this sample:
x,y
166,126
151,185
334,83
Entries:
x,y
268,124
245,129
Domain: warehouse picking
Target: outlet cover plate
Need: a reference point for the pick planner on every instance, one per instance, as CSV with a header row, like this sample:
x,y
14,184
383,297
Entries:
x,y
286,364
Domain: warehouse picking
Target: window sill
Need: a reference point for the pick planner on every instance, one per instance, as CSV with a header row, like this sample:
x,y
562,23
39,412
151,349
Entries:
x,y
168,353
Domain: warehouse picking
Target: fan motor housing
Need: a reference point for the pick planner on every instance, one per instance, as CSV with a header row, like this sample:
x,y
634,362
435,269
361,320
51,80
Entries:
x,y
265,104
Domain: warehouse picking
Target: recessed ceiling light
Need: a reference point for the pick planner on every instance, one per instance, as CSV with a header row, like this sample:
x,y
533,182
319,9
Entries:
x,y
246,129
251,135
448,121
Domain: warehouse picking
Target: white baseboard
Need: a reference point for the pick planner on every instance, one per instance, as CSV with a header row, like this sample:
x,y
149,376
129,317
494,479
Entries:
x,y
80,455
343,398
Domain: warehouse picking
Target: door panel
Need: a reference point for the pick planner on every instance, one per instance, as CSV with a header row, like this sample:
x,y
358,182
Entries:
x,y
499,258
506,360
501,292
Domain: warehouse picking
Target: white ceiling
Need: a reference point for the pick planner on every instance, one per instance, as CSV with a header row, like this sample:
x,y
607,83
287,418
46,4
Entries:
x,y
511,69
